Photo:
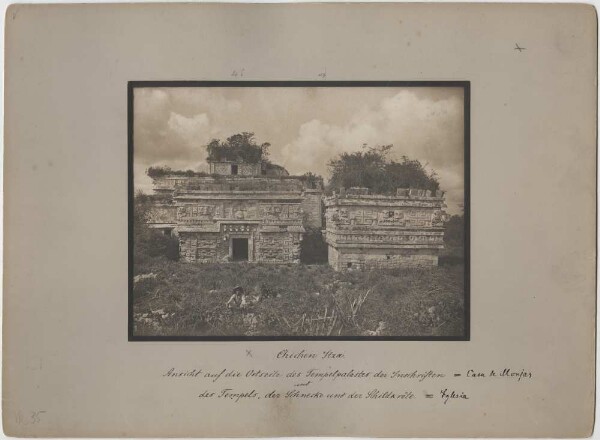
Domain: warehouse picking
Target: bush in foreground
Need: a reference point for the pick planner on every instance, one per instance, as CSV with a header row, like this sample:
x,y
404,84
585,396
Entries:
x,y
411,302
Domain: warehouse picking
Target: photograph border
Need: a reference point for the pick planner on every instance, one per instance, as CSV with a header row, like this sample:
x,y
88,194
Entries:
x,y
465,85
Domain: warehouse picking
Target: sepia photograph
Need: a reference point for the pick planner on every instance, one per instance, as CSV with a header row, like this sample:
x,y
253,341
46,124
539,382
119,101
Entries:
x,y
298,210
300,220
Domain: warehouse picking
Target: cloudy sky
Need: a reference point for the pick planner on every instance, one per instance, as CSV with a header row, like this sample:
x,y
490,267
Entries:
x,y
306,127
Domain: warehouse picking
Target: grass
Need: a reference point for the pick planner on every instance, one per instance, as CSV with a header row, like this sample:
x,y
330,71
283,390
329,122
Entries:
x,y
189,300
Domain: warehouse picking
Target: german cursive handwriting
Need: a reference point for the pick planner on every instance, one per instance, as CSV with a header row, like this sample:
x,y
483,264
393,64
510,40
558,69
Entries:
x,y
279,376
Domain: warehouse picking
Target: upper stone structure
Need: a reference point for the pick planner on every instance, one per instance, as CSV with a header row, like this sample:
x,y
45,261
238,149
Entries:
x,y
240,168
376,231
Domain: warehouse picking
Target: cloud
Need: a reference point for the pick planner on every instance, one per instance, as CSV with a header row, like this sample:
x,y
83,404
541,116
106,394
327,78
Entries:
x,y
188,133
427,129
172,125
306,127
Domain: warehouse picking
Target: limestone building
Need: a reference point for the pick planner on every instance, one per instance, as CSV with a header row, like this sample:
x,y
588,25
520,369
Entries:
x,y
374,231
239,212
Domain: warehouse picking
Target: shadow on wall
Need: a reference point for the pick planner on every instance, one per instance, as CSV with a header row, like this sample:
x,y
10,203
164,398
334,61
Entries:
x,y
313,249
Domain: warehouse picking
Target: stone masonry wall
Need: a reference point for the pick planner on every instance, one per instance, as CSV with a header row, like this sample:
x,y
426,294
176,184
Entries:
x,y
278,247
203,247
373,231
162,214
208,212
361,259
311,205
244,169
242,208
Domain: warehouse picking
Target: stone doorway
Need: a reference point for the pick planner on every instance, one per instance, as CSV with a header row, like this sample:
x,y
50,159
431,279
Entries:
x,y
239,249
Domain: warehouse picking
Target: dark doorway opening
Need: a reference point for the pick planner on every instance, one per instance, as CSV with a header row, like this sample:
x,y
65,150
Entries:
x,y
234,169
239,249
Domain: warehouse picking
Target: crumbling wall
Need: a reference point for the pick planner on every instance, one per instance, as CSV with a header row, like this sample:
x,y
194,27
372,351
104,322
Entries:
x,y
312,208
161,214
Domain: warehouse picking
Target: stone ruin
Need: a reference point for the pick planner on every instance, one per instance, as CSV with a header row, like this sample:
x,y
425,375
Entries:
x,y
374,231
240,212
258,213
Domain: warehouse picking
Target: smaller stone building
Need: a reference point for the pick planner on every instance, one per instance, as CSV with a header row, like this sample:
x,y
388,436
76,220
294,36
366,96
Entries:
x,y
366,231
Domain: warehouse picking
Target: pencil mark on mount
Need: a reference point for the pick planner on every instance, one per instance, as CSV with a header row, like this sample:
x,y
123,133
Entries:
x,y
323,75
34,418
520,49
248,353
239,72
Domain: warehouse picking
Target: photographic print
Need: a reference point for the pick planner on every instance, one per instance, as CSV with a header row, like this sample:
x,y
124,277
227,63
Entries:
x,y
298,210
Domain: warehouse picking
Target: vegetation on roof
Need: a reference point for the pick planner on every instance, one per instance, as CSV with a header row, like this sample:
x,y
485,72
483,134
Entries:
x,y
372,168
241,147
161,171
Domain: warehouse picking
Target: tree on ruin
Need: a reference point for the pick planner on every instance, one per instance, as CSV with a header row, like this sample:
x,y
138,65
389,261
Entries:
x,y
241,147
372,168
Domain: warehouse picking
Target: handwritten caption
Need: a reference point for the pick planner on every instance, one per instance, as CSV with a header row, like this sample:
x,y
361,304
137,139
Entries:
x,y
328,380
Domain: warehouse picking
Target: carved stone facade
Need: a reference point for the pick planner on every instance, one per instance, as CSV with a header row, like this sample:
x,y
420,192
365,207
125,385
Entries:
x,y
373,231
226,217
262,218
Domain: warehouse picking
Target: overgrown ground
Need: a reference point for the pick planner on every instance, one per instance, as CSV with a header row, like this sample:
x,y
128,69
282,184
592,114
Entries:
x,y
189,300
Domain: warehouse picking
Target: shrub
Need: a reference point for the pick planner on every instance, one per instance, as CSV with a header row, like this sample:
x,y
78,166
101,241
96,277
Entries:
x,y
455,228
371,168
153,243
239,147
144,286
312,180
411,301
150,243
453,252
154,172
